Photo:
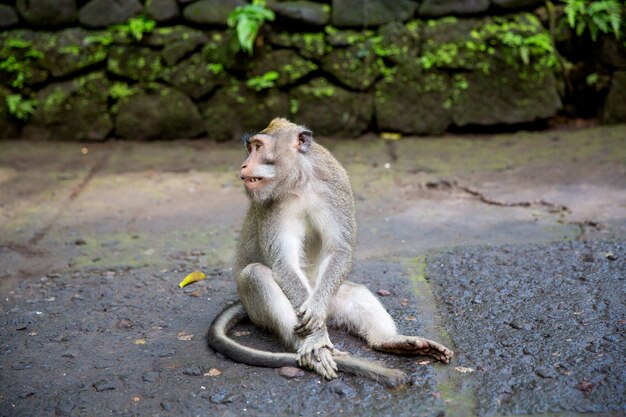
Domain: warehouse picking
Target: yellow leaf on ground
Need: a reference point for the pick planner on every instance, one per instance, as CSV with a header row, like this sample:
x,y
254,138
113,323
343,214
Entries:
x,y
193,277
140,342
184,336
390,136
213,372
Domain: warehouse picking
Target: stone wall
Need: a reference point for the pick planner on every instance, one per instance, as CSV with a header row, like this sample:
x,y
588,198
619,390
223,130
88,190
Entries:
x,y
94,69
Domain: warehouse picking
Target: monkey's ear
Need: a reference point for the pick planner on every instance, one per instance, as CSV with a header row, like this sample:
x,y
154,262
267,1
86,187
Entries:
x,y
305,139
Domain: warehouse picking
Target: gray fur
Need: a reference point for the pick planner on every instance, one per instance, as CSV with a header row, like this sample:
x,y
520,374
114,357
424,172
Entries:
x,y
294,255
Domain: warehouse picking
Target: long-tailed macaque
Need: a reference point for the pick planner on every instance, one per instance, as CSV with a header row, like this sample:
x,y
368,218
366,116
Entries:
x,y
293,258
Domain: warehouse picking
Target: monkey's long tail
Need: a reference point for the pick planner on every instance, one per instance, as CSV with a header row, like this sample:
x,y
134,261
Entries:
x,y
220,342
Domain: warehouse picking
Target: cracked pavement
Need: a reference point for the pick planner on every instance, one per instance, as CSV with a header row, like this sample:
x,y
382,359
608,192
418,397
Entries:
x,y
484,243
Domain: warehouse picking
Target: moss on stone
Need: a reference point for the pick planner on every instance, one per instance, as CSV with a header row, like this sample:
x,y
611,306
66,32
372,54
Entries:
x,y
357,66
473,44
235,109
345,112
135,63
319,91
20,59
308,45
289,66
221,48
69,51
56,96
74,110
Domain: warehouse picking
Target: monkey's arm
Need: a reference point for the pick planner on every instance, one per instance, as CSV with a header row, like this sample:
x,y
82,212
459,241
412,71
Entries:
x,y
313,312
220,342
336,224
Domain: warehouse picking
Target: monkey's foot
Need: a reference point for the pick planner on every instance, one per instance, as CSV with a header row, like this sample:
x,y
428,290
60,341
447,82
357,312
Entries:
x,y
411,345
326,365
316,353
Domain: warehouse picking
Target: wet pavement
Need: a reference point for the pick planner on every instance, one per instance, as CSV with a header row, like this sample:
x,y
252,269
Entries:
x,y
510,249
541,325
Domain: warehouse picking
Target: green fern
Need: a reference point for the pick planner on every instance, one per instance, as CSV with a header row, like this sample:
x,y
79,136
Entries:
x,y
247,21
136,27
263,81
601,16
20,107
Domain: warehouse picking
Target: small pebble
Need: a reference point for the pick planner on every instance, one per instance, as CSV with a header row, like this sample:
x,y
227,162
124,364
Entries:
x,y
610,256
515,325
103,385
151,376
27,393
585,386
193,370
339,387
290,372
20,366
383,293
64,407
616,338
167,353
222,397
546,372
103,364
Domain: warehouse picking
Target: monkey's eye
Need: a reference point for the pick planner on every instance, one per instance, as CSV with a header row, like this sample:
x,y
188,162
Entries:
x,y
257,146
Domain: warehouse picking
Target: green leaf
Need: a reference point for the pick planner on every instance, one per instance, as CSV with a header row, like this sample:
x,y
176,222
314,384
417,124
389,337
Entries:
x,y
593,30
247,21
263,81
18,43
19,107
19,80
592,79
524,53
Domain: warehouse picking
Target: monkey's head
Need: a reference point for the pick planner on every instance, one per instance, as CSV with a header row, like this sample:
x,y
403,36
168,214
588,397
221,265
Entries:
x,y
276,159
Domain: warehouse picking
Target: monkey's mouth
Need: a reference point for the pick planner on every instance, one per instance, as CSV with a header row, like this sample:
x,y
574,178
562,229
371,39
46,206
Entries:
x,y
253,182
252,179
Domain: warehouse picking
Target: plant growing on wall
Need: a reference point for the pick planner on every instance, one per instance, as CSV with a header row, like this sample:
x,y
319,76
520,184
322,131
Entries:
x,y
538,44
16,58
247,21
20,107
603,16
136,27
263,81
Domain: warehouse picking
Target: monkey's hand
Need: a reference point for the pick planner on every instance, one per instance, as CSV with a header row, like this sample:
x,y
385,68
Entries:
x,y
312,318
316,353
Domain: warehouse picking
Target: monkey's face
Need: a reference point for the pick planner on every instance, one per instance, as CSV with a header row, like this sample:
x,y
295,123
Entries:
x,y
274,163
258,171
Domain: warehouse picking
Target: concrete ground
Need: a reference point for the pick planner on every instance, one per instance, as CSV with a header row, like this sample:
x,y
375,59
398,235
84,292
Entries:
x,y
510,249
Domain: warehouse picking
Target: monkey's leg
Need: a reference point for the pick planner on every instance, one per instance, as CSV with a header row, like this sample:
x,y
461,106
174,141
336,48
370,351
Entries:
x,y
266,304
357,309
268,307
